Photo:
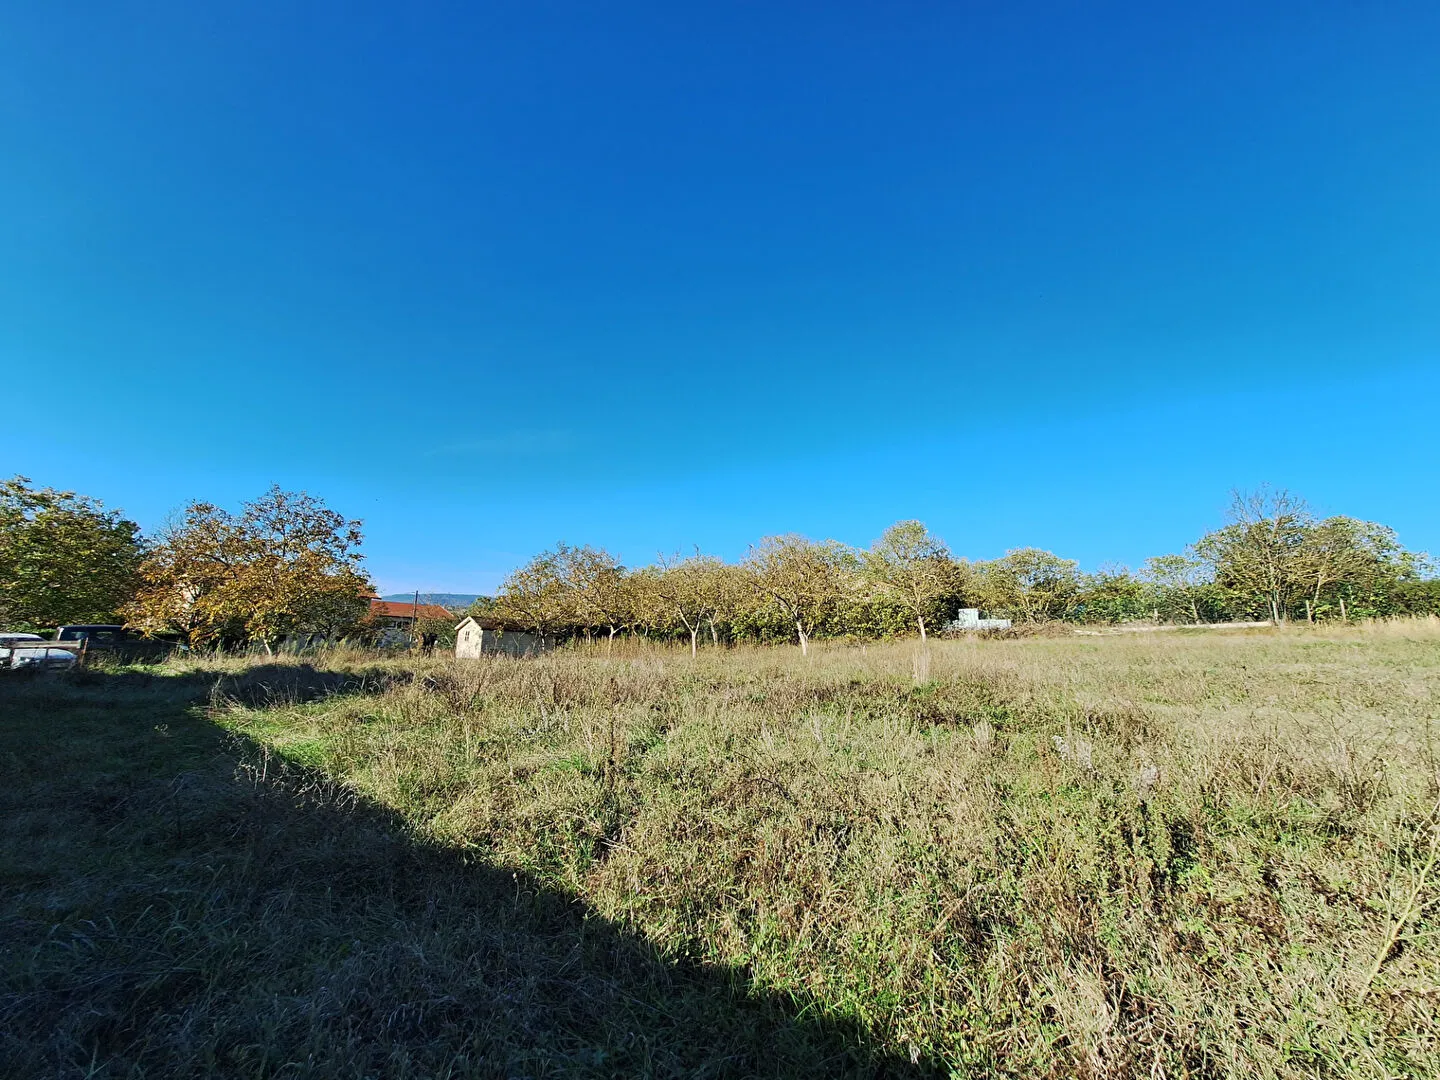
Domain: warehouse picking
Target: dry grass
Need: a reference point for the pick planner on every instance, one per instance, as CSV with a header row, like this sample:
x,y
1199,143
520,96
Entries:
x,y
1159,855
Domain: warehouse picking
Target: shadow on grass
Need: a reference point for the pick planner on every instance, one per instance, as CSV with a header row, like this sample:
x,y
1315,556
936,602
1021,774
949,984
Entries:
x,y
171,903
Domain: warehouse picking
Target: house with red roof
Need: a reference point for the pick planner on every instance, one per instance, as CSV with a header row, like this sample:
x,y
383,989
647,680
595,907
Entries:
x,y
397,615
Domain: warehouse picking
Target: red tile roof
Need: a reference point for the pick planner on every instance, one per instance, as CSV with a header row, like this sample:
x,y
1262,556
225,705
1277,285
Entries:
x,y
395,609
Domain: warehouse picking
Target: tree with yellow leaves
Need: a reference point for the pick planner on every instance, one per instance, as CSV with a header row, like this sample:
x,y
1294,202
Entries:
x,y
287,565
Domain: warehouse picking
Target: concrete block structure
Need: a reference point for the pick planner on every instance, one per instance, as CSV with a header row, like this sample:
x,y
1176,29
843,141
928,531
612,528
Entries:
x,y
475,638
969,618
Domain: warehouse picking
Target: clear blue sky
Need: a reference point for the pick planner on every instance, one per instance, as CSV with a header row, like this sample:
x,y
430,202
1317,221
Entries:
x,y
490,276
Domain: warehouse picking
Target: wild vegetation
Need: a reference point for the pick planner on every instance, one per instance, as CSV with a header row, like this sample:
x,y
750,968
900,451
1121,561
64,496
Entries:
x,y
1143,855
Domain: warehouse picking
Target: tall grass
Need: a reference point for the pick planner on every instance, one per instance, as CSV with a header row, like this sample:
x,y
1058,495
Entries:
x,y
1107,858
1178,855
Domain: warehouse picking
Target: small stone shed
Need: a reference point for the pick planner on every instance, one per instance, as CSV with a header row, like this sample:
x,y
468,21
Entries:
x,y
489,637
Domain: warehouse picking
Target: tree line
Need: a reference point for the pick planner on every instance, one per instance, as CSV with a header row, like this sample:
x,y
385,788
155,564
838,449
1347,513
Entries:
x,y
287,567
1272,560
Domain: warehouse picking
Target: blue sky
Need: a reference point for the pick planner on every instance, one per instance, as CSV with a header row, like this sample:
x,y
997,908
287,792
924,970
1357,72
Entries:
x,y
650,276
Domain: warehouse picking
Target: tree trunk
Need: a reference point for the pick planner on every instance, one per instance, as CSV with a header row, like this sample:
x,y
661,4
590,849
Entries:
x,y
1195,611
1274,610
804,641
694,638
610,644
266,642
1343,617
714,633
1309,612
921,620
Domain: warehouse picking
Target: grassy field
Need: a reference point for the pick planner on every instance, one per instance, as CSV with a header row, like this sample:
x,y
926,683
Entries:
x,y
1155,855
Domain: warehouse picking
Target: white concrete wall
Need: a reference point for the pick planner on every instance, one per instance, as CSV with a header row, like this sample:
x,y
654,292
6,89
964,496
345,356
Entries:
x,y
472,642
469,642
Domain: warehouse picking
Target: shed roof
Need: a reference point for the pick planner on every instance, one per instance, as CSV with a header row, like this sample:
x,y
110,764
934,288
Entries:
x,y
485,622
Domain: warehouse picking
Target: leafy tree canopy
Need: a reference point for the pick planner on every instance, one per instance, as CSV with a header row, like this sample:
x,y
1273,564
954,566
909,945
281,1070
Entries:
x,y
804,579
913,566
64,558
285,565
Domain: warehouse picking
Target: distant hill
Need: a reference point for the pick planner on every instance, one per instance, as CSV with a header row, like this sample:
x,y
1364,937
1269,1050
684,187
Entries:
x,y
444,599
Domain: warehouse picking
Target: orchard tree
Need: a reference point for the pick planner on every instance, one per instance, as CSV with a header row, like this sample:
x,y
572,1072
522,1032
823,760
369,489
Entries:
x,y
693,591
1110,595
285,565
913,566
1260,555
183,578
1177,582
536,596
1342,555
64,558
1030,584
595,586
438,630
804,579
649,610
303,573
732,595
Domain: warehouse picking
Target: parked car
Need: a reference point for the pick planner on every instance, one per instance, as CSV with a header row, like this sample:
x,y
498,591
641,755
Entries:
x,y
31,652
118,643
97,636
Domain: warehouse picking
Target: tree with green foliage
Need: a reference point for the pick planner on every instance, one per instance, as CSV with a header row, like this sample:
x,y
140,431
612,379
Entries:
x,y
1271,557
650,614
1177,583
913,566
438,630
594,585
1029,585
693,591
536,596
1342,561
1418,594
1259,556
1110,595
804,579
64,558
